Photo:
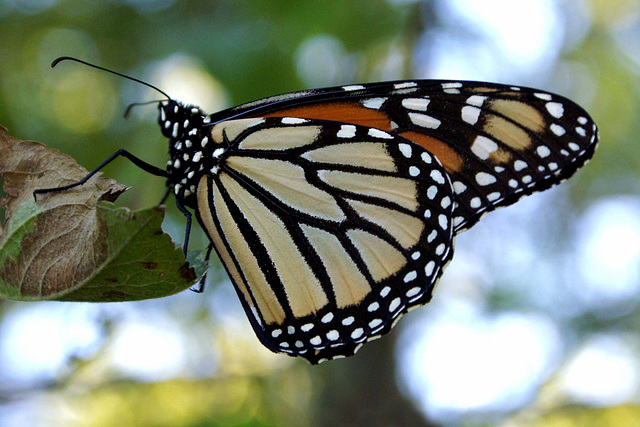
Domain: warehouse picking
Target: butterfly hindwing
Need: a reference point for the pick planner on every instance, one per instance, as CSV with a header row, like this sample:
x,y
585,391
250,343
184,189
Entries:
x,y
329,231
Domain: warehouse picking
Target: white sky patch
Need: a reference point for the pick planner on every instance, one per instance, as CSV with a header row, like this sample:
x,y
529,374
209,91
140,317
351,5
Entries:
x,y
498,35
603,372
149,349
463,361
35,341
523,30
609,251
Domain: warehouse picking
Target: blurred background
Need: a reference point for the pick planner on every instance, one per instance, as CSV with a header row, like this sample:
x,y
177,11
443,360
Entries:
x,y
537,319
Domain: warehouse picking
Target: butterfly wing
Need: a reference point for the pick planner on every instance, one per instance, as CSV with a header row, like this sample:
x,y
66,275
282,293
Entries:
x,y
497,143
335,209
329,231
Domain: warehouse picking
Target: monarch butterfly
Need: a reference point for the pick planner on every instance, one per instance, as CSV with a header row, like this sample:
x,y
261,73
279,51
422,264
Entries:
x,y
334,210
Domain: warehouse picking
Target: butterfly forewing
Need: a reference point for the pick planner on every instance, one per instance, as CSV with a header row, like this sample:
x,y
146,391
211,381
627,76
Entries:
x,y
496,142
329,231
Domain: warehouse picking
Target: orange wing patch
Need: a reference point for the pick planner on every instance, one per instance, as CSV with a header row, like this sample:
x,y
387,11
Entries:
x,y
448,156
349,112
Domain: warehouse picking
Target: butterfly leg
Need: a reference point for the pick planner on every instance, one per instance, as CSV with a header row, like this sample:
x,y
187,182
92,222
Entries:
x,y
187,231
121,152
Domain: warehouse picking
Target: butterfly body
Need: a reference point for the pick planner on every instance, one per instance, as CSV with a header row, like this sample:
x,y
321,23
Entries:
x,y
334,210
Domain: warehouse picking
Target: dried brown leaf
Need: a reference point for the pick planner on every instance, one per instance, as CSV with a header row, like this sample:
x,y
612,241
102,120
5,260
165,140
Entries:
x,y
66,245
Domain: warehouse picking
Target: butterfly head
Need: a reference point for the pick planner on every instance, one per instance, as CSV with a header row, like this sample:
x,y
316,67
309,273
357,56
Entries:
x,y
184,126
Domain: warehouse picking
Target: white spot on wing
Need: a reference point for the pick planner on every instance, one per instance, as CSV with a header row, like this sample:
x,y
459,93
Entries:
x,y
428,269
492,197
483,147
293,120
405,149
484,178
405,85
373,103
555,109
470,114
436,175
413,292
347,131
451,87
412,275
432,192
519,165
375,323
377,133
419,104
459,187
543,96
424,120
557,129
476,100
543,151
443,221
357,333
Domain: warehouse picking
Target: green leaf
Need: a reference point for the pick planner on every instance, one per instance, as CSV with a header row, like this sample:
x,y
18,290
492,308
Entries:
x,y
70,245
143,262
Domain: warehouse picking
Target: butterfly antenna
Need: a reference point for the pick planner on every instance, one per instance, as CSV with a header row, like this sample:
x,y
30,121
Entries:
x,y
137,104
70,58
